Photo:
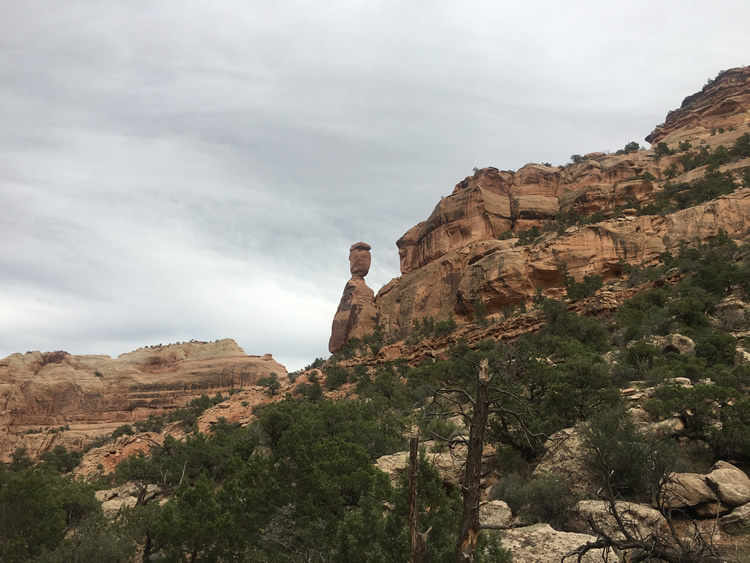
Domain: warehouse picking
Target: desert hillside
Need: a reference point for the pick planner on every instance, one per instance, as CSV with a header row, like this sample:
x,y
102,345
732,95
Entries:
x,y
55,398
561,372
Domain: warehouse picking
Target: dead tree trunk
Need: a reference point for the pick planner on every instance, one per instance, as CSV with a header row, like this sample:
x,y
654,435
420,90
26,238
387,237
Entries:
x,y
417,539
470,525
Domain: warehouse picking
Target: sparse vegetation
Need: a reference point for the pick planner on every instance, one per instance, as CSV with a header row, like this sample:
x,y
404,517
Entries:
x,y
271,383
298,480
528,237
629,147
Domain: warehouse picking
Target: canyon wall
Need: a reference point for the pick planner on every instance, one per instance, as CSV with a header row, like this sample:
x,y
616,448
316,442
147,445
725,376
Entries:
x,y
502,236
92,395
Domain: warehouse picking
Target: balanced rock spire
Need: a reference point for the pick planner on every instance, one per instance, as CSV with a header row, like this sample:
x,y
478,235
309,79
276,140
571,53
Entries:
x,y
356,315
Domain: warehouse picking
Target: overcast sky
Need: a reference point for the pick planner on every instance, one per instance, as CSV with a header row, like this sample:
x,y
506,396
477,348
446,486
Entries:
x,y
184,169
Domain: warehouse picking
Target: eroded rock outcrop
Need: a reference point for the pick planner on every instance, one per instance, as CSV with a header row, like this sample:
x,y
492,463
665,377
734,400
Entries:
x,y
639,520
499,273
723,103
466,250
541,542
724,488
92,395
356,315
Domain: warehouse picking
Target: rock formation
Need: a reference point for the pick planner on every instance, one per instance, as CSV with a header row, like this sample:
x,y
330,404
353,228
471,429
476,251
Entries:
x,y
92,395
723,103
499,273
468,249
356,315
541,542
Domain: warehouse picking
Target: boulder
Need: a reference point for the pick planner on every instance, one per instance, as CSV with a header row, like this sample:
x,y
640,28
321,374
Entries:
x,y
664,428
584,172
731,484
495,513
674,343
450,464
741,357
393,464
639,520
687,490
725,486
639,415
112,507
124,496
633,189
737,522
541,542
589,199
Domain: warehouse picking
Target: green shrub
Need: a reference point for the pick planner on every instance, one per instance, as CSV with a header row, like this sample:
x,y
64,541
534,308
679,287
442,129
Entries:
x,y
741,148
154,423
528,237
480,313
122,430
630,147
641,355
336,376
629,463
544,498
580,290
444,328
671,171
61,460
271,383
509,489
316,364
662,150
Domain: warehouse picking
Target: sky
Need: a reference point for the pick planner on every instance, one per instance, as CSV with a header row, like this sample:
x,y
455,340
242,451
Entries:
x,y
176,170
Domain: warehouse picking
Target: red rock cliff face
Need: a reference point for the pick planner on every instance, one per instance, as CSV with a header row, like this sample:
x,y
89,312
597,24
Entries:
x,y
491,202
455,258
723,103
498,273
94,394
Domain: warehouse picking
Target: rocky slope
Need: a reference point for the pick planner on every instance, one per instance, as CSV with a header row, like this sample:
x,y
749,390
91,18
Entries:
x,y
469,251
86,396
500,273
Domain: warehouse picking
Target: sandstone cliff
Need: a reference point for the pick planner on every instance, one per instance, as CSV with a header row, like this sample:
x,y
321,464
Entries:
x,y
499,273
91,395
587,212
723,103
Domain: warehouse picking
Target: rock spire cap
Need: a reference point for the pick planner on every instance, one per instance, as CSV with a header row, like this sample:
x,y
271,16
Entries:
x,y
359,259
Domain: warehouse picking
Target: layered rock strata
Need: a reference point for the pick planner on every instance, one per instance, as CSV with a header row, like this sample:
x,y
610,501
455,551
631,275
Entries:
x,y
477,247
500,273
91,395
723,103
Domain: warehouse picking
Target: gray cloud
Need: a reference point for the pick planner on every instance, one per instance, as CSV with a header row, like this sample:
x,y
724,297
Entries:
x,y
175,170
